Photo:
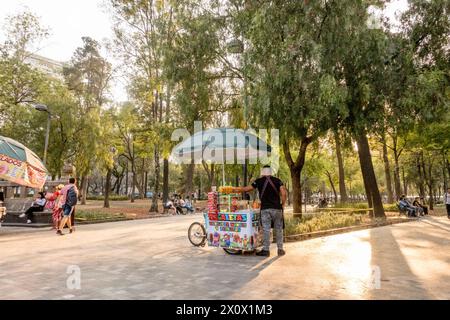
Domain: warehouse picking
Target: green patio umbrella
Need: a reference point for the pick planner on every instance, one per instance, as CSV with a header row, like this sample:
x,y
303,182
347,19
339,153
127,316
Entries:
x,y
221,145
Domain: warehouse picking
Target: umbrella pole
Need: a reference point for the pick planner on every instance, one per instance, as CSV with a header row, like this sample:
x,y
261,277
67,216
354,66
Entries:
x,y
223,175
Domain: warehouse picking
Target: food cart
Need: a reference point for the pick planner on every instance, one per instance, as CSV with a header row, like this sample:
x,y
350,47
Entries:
x,y
226,225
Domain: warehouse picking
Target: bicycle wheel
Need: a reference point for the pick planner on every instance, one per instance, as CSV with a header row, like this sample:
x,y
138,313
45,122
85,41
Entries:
x,y
197,234
232,252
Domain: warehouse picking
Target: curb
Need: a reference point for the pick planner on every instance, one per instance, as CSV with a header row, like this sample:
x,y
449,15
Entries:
x,y
81,222
325,233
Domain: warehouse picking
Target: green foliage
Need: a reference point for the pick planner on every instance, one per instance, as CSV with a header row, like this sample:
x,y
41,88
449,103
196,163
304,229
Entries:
x,y
92,216
321,222
351,205
113,197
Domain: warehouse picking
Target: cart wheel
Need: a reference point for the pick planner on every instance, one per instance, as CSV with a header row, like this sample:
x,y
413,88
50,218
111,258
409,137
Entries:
x,y
197,234
233,252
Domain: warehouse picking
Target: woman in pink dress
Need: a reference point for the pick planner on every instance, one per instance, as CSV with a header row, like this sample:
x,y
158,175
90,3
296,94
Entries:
x,y
53,203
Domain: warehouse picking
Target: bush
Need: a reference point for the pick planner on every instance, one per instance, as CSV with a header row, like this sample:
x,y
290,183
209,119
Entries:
x,y
359,205
321,222
390,207
113,197
345,206
97,216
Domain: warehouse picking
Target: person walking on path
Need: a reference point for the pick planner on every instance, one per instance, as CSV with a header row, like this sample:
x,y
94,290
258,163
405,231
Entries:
x,y
53,203
69,199
447,202
272,193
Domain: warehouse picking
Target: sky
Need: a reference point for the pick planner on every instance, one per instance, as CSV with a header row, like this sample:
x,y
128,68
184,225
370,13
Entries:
x,y
69,20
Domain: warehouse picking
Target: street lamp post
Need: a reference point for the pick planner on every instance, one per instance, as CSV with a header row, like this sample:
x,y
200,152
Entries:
x,y
236,46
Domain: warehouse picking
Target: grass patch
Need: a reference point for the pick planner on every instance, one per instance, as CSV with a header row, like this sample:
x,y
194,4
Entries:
x,y
97,216
358,205
111,198
321,222
362,205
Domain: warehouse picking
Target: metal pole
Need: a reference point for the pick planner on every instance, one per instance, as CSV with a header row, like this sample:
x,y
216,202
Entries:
x,y
47,136
245,119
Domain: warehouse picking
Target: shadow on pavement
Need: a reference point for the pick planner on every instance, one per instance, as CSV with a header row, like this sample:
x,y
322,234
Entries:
x,y
397,281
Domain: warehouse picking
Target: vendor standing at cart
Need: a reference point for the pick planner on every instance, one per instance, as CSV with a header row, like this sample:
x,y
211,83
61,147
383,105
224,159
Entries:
x,y
272,193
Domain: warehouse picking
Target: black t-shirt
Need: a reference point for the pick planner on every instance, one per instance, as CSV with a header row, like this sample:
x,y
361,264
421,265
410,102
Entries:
x,y
271,199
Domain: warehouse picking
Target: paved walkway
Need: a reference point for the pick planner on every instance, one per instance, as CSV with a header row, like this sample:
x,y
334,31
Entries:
x,y
152,259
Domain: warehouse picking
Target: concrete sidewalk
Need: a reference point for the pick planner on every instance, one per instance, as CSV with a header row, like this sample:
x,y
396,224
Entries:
x,y
153,259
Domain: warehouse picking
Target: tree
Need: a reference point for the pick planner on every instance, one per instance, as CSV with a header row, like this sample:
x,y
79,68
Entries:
x,y
19,82
142,31
88,76
288,84
192,67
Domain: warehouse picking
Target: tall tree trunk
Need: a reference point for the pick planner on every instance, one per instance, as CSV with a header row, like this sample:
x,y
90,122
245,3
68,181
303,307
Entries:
x,y
154,208
211,173
119,185
126,179
84,187
133,180
397,186
189,182
342,187
421,175
330,179
296,171
142,191
165,181
448,169
430,183
145,183
368,173
296,192
387,171
107,188
405,183
444,173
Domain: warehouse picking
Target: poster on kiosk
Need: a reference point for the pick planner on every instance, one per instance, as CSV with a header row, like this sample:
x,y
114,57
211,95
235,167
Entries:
x,y
228,227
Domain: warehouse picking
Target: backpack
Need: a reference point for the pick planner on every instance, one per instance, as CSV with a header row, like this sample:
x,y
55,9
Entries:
x,y
72,197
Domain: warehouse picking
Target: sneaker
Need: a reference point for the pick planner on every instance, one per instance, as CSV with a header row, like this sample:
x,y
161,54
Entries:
x,y
263,253
28,221
23,215
281,252
59,232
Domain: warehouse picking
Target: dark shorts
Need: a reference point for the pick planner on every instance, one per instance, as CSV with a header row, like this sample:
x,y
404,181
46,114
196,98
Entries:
x,y
67,210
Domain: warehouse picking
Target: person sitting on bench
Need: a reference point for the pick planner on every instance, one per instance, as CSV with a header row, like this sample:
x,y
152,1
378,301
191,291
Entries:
x,y
37,206
423,210
186,204
406,206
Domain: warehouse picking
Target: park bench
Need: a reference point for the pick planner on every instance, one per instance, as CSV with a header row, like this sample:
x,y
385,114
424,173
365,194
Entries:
x,y
15,207
2,211
402,210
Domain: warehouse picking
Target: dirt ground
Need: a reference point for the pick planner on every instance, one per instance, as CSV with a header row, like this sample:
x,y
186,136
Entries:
x,y
140,208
